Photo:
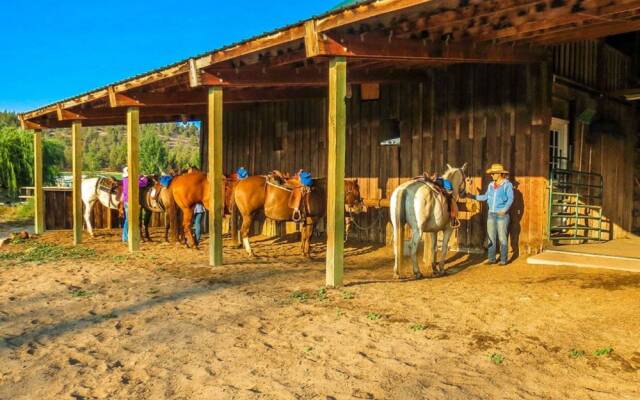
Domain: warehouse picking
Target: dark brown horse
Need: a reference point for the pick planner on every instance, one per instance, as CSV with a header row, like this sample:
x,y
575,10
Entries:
x,y
286,200
192,188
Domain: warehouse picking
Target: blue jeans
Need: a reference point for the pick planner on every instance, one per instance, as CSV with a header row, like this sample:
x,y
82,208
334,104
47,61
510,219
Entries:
x,y
125,224
197,226
498,230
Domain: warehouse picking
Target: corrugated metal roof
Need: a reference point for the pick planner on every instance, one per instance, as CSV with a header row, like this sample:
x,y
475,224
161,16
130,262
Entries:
x,y
339,8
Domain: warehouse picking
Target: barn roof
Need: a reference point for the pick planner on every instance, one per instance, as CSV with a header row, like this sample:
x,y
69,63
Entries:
x,y
378,35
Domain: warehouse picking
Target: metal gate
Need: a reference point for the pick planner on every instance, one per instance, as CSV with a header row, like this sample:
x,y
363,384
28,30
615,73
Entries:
x,y
575,206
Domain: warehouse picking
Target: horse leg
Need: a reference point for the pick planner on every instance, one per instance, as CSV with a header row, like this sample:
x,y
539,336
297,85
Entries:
x,y
415,241
147,220
445,247
434,251
187,221
347,228
87,217
233,225
244,234
307,231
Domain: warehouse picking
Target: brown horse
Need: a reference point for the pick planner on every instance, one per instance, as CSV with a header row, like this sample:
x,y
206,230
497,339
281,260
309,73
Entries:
x,y
279,204
192,188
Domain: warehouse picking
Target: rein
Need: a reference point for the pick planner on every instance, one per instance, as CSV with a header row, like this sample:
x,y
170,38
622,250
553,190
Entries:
x,y
377,222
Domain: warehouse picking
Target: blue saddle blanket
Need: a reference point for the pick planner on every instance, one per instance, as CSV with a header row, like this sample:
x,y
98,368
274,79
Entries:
x,y
305,178
165,180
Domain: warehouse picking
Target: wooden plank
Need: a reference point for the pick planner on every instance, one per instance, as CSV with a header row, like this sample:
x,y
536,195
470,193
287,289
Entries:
x,y
76,165
214,114
38,195
335,177
133,165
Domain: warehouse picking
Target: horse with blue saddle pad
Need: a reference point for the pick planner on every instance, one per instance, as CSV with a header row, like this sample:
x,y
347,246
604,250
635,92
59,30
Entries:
x,y
425,206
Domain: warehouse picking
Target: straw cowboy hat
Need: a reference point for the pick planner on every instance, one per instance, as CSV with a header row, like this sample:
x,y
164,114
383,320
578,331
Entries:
x,y
497,169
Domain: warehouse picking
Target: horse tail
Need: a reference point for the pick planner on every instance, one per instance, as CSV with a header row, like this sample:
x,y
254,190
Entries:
x,y
233,222
397,213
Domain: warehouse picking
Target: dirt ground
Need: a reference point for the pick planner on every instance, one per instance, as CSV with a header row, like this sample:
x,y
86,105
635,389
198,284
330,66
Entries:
x,y
162,324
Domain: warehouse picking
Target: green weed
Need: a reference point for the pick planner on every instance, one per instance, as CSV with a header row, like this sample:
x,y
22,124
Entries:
x,y
347,295
80,293
496,358
299,295
45,252
308,349
340,313
373,316
417,327
604,351
322,294
575,353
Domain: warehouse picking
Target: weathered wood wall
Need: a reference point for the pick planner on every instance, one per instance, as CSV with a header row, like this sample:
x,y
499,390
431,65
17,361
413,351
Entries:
x,y
593,63
478,114
59,210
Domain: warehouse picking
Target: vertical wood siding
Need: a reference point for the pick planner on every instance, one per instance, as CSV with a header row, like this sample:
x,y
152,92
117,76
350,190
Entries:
x,y
479,114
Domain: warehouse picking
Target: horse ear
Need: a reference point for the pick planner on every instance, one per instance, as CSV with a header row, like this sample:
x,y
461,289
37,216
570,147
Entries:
x,y
464,167
449,167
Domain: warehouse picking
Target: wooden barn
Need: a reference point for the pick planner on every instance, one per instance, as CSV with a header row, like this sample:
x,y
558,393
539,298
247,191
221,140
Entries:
x,y
385,90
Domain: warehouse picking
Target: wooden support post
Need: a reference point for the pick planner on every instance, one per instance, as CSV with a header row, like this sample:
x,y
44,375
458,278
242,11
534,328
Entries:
x,y
214,163
335,178
38,194
76,164
133,203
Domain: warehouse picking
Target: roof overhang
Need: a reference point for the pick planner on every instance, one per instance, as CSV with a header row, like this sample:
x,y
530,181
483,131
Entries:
x,y
386,40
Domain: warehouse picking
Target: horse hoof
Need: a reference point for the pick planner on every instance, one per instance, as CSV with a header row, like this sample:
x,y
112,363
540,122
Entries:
x,y
396,276
418,276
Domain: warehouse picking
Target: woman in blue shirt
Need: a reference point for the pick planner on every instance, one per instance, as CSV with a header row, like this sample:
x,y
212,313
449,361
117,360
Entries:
x,y
499,197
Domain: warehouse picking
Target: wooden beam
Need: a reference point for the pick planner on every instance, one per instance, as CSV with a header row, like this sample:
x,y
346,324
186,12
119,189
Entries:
x,y
337,116
311,76
38,172
376,46
594,31
198,77
561,17
26,124
133,165
214,162
67,115
76,166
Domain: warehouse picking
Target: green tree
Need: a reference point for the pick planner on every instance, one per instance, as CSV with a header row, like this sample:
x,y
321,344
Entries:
x,y
8,118
16,166
16,159
153,153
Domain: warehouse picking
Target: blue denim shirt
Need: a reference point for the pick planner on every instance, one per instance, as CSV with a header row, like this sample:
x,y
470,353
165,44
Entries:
x,y
500,199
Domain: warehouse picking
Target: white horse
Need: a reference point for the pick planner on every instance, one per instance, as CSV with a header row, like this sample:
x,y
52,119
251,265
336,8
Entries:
x,y
108,191
424,207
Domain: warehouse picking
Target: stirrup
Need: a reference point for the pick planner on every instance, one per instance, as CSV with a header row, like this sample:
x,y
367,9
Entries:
x,y
455,223
297,215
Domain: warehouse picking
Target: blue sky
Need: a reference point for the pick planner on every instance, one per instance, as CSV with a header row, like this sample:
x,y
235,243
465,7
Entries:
x,y
51,50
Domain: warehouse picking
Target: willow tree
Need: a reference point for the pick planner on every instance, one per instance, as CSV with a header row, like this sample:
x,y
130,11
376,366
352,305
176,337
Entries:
x,y
16,159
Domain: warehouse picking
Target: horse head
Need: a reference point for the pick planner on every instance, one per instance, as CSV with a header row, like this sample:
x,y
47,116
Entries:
x,y
458,180
352,199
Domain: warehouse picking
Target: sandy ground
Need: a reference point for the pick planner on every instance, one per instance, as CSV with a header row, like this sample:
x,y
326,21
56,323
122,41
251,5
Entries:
x,y
161,324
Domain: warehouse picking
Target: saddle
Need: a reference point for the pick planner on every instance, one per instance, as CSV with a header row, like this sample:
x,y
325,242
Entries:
x,y
299,192
111,187
437,186
151,196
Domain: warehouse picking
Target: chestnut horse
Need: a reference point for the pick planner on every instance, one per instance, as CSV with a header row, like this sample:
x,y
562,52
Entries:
x,y
256,192
192,188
